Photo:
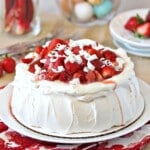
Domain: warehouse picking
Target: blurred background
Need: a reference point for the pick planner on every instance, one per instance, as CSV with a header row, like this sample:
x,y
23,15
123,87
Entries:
x,y
50,5
50,13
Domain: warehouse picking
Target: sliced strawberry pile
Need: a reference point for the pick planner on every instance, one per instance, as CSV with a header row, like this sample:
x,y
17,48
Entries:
x,y
7,65
61,61
139,26
18,16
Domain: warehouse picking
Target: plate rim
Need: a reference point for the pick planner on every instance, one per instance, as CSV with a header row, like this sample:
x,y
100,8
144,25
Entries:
x,y
38,136
128,50
117,35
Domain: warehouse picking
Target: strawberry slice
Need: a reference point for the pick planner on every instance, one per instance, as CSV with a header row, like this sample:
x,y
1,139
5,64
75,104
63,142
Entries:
x,y
32,65
109,55
58,62
50,75
84,62
98,76
92,51
27,60
143,30
72,67
44,52
76,50
64,76
61,52
80,75
90,76
133,23
97,64
107,72
52,45
48,65
87,47
38,49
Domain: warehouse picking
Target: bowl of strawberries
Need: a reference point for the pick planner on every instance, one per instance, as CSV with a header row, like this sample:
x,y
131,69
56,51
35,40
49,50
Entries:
x,y
139,26
131,31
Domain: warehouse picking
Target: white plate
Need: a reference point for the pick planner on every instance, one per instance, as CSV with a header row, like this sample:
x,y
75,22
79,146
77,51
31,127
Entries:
x,y
131,50
118,31
137,49
7,117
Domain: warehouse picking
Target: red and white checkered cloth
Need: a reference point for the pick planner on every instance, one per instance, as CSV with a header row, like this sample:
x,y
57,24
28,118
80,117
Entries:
x,y
11,140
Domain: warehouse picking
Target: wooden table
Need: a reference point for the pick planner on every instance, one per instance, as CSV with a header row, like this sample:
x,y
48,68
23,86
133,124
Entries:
x,y
98,33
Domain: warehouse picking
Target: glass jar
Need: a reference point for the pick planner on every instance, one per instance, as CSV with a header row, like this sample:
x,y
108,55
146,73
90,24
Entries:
x,y
21,16
89,12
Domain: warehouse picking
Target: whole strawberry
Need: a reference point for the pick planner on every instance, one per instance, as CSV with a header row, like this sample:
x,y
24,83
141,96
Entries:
x,y
143,30
9,64
133,23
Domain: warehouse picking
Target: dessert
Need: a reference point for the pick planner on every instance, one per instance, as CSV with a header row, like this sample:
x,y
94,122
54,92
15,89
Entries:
x,y
68,87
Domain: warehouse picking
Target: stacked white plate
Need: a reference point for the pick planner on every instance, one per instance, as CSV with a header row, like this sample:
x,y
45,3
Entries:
x,y
126,39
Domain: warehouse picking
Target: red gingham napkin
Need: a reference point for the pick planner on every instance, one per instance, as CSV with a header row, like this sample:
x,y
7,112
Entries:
x,y
11,140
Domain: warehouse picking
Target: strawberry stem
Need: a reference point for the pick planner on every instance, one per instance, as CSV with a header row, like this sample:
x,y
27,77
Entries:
x,y
139,19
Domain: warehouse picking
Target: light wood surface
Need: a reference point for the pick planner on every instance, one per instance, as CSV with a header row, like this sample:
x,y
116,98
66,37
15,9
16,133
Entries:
x,y
98,33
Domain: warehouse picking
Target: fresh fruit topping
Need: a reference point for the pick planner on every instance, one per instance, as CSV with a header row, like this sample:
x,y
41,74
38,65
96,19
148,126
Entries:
x,y
57,64
55,43
50,75
44,52
34,64
80,75
99,77
64,61
97,64
109,55
27,60
133,23
92,51
76,50
143,30
72,67
107,72
64,76
139,26
38,49
90,77
9,64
